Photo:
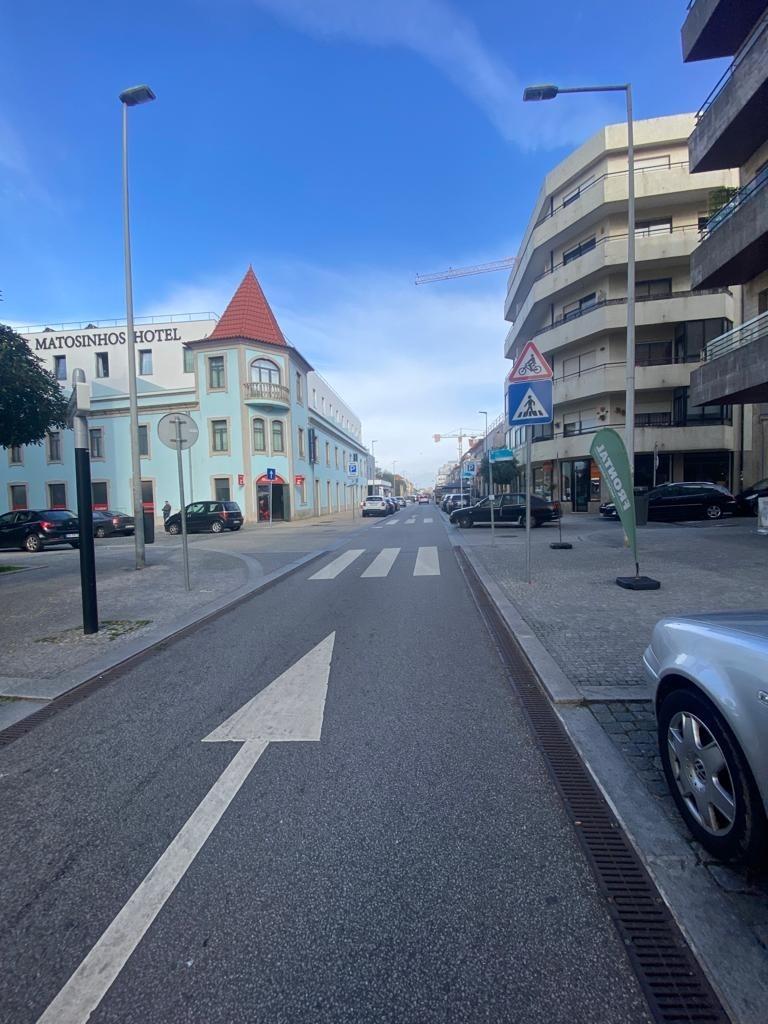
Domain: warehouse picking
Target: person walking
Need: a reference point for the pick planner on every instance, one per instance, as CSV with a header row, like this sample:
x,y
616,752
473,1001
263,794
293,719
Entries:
x,y
166,510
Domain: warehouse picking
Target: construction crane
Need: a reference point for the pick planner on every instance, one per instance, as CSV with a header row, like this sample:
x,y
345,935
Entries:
x,y
509,263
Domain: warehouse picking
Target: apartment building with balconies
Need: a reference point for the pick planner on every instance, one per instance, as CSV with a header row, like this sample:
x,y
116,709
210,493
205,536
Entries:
x,y
732,131
568,293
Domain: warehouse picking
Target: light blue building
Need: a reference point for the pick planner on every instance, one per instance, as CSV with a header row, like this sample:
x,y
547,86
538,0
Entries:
x,y
258,403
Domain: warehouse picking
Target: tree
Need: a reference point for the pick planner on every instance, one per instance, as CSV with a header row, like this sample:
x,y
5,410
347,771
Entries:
x,y
504,473
31,402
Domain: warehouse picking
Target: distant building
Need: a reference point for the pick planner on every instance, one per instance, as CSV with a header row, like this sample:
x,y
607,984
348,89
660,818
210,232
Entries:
x,y
732,131
258,403
568,294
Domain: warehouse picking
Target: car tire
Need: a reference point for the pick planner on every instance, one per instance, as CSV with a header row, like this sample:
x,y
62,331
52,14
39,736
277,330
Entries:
x,y
32,543
75,544
100,532
236,528
537,522
739,836
174,529
217,526
713,511
465,522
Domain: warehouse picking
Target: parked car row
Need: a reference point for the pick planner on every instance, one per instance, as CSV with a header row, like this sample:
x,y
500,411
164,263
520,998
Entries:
x,y
689,500
381,505
454,501
36,529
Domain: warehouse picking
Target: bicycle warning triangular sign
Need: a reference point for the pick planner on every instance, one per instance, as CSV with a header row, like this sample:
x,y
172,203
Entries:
x,y
530,365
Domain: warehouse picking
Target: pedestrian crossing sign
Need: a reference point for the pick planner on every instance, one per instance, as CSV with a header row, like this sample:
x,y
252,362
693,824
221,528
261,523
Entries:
x,y
530,402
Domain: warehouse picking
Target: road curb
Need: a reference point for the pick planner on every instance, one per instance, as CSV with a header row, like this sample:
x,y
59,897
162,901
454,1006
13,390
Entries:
x,y
729,953
99,670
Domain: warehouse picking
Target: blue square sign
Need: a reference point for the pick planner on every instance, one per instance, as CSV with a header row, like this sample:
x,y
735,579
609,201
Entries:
x,y
530,402
271,474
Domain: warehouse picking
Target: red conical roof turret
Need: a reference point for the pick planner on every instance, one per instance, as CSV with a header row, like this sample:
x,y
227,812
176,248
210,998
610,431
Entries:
x,y
248,315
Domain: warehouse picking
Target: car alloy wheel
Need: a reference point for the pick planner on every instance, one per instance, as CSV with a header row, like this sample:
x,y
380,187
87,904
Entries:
x,y
217,526
710,779
101,532
174,529
465,522
33,543
713,511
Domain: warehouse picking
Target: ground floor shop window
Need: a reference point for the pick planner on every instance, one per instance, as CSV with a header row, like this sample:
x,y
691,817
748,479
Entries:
x,y
99,495
542,480
579,482
57,495
714,467
644,469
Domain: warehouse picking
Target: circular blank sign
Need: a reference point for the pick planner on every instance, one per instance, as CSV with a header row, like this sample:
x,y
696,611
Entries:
x,y
178,430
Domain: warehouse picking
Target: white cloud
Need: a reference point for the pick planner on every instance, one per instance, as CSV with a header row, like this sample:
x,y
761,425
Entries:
x,y
441,35
410,361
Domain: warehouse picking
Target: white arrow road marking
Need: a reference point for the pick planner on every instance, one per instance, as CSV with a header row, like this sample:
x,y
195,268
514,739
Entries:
x,y
427,563
381,564
332,570
428,519
289,709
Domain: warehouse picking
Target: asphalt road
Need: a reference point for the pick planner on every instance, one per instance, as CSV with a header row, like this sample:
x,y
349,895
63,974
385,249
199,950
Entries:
x,y
413,866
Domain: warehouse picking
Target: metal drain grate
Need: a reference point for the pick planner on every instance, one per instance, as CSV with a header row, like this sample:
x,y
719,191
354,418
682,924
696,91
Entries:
x,y
670,977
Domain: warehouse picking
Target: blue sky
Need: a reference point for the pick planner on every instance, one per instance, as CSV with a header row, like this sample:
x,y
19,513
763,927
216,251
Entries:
x,y
340,146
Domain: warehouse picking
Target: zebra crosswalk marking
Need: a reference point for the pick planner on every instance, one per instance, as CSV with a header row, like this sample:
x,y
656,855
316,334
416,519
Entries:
x,y
332,570
381,564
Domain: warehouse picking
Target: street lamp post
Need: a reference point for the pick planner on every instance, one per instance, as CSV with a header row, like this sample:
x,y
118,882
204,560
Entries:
x,y
373,460
491,496
394,475
132,98
549,92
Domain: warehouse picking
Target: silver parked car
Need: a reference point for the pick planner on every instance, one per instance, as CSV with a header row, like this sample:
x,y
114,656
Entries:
x,y
710,674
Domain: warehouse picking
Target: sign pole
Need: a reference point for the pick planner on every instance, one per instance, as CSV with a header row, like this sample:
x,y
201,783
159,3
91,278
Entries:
x,y
270,502
84,507
183,512
528,504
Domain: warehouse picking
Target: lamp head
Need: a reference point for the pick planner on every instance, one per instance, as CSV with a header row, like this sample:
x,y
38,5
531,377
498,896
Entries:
x,y
137,94
534,93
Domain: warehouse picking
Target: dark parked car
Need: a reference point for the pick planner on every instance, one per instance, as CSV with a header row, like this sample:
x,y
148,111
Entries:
x,y
508,510
207,517
746,500
454,501
108,523
34,530
690,500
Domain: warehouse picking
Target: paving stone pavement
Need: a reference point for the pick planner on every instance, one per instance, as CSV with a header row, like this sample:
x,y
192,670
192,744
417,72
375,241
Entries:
x,y
597,632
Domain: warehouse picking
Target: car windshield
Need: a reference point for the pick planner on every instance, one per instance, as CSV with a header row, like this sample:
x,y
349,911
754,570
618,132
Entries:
x,y
760,485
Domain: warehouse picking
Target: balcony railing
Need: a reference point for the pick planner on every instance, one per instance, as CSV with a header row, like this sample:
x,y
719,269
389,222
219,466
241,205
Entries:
x,y
729,71
267,392
742,196
752,330
576,313
653,419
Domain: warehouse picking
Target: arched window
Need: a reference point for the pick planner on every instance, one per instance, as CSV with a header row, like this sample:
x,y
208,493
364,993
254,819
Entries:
x,y
259,435
264,371
278,436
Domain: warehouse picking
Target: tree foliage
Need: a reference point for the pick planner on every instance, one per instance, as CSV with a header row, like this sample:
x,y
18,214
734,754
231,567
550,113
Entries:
x,y
504,473
31,402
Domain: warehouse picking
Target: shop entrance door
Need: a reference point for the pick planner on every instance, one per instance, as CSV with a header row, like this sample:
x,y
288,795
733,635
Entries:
x,y
575,484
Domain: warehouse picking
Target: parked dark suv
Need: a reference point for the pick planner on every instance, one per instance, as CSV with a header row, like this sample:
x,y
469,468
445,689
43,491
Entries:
x,y
34,530
690,500
207,517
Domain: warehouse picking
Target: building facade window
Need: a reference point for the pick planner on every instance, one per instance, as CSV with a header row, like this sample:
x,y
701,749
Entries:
x,y
278,436
54,446
684,415
264,371
57,495
102,364
145,362
222,490
144,440
259,435
18,497
99,494
693,336
16,455
96,441
299,388
336,456
60,367
653,353
579,250
302,446
219,436
216,373
314,398
658,226
327,455
189,361
302,489
660,288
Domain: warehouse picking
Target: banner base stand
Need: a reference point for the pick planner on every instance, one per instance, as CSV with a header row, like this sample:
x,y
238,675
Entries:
x,y
561,545
638,583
